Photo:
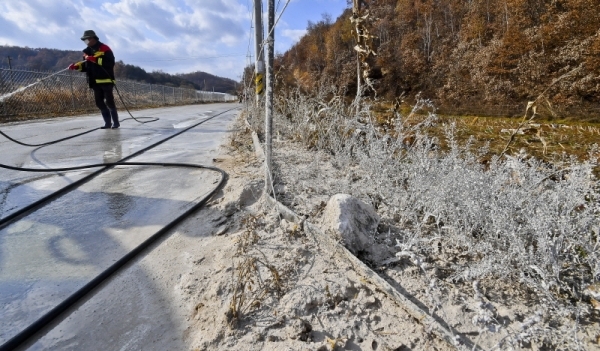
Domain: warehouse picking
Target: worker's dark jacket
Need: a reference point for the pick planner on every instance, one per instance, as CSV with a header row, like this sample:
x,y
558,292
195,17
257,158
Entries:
x,y
101,69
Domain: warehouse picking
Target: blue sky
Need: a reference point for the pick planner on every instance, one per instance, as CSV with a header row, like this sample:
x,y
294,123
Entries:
x,y
175,36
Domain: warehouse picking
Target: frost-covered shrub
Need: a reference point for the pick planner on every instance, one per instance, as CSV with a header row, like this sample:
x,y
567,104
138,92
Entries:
x,y
514,218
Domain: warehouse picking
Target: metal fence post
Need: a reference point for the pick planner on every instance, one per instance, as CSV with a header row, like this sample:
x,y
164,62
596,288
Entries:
x,y
151,97
164,97
72,90
10,88
44,84
135,95
10,79
11,85
4,109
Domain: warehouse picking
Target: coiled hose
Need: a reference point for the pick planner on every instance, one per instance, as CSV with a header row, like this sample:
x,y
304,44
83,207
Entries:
x,y
138,119
51,315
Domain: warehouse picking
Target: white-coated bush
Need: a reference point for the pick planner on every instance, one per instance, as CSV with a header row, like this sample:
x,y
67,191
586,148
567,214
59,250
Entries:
x,y
515,218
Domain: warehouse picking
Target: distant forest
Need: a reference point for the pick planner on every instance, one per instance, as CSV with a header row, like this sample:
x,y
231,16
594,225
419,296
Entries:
x,y
467,55
49,60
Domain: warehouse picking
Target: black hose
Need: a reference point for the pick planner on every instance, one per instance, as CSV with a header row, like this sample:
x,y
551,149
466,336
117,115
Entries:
x,y
109,164
137,119
34,206
40,323
36,326
48,143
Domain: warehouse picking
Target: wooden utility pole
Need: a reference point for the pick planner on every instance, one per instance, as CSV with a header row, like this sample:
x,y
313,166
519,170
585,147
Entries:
x,y
259,65
269,98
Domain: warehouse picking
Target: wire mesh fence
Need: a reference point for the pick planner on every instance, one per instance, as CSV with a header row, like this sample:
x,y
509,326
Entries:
x,y
28,94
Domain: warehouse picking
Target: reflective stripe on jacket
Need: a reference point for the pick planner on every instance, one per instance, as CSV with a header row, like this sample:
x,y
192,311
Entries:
x,y
100,66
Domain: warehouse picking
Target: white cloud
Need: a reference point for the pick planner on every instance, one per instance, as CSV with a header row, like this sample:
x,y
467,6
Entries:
x,y
143,31
150,32
294,34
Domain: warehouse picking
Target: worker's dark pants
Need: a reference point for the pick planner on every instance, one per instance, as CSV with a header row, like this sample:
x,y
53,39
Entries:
x,y
102,93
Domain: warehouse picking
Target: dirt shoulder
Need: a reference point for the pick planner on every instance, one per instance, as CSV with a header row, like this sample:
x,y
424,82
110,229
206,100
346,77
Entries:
x,y
270,285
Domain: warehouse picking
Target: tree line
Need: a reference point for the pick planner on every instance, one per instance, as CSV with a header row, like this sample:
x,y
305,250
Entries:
x,y
467,55
51,60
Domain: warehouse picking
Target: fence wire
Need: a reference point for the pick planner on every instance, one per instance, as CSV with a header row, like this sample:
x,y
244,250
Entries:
x,y
68,93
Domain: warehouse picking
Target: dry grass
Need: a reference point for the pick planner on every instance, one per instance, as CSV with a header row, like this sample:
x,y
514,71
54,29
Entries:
x,y
38,103
52,99
544,138
254,278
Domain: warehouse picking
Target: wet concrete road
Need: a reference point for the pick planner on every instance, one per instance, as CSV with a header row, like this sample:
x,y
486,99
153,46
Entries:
x,y
47,255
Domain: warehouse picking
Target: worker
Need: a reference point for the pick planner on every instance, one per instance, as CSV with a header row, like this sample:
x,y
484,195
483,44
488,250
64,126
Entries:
x,y
98,63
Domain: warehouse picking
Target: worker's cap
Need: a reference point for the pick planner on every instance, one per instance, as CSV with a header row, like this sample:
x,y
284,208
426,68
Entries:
x,y
89,34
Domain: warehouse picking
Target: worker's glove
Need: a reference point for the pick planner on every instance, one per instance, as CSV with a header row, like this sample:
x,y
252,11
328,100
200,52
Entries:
x,y
73,66
90,58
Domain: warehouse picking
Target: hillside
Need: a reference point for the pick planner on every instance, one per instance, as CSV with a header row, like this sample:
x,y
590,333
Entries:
x,y
208,82
55,60
472,56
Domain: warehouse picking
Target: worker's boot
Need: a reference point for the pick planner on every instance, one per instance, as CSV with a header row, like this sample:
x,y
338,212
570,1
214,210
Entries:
x,y
106,117
115,118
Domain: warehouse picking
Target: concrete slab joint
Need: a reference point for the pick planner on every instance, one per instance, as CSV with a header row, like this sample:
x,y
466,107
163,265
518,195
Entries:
x,y
350,221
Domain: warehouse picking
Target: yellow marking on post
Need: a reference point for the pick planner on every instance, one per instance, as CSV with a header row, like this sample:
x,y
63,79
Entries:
x,y
260,85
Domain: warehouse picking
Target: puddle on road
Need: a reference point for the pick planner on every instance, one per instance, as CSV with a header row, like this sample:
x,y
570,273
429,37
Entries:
x,y
191,122
139,142
185,124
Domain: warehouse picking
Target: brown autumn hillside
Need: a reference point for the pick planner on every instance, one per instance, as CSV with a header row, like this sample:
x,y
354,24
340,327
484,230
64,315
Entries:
x,y
469,56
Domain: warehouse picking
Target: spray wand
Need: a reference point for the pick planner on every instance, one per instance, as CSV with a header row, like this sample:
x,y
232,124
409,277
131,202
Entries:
x,y
6,96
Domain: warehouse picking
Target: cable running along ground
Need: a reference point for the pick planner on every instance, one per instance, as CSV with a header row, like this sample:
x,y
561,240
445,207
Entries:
x,y
137,119
51,315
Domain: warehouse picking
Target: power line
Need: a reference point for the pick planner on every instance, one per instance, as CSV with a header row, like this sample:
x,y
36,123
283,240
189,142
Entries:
x,y
281,14
275,25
